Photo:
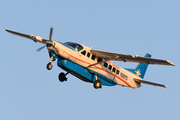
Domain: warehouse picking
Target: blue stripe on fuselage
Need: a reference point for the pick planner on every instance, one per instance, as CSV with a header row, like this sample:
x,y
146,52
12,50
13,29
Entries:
x,y
84,72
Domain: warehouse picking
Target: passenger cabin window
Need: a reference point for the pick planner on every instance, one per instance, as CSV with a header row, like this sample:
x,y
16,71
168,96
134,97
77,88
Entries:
x,y
117,72
77,47
83,52
93,57
110,67
105,64
99,60
114,69
88,54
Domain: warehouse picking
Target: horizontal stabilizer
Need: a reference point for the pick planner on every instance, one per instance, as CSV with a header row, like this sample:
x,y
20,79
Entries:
x,y
149,83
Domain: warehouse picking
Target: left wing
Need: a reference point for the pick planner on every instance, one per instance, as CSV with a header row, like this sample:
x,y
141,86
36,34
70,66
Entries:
x,y
32,37
129,58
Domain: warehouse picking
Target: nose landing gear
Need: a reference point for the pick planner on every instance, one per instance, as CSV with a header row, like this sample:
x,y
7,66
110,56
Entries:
x,y
49,65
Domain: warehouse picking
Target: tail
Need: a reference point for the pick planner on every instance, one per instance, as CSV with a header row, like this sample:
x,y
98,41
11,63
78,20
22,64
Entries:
x,y
141,68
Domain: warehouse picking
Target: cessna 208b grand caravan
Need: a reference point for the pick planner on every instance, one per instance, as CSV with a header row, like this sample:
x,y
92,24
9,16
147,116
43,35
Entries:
x,y
95,66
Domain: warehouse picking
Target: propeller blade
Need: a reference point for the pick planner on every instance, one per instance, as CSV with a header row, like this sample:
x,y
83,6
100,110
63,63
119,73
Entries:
x,y
40,48
50,35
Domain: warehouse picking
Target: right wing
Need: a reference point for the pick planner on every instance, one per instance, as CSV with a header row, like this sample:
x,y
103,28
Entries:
x,y
129,58
149,83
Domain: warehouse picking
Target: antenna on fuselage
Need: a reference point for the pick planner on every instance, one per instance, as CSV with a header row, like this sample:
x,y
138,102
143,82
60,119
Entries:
x,y
92,47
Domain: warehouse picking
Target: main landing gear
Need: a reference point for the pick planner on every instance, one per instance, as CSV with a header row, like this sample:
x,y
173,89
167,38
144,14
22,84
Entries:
x,y
49,65
62,77
97,83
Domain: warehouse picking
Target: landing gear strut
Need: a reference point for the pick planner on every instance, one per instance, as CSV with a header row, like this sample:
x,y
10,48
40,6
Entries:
x,y
49,65
97,83
62,77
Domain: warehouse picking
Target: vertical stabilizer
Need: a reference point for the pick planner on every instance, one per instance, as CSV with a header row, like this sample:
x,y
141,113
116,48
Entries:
x,y
141,68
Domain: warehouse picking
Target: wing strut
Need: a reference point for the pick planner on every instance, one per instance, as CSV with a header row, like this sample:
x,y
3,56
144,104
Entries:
x,y
98,63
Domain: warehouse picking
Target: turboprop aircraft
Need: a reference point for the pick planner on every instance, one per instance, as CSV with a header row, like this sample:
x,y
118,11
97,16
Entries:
x,y
95,66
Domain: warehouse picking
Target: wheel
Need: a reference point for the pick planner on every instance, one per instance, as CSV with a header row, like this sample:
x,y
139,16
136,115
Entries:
x,y
49,66
62,77
97,84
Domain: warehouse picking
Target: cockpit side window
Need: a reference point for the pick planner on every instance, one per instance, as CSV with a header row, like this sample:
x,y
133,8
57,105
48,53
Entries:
x,y
77,47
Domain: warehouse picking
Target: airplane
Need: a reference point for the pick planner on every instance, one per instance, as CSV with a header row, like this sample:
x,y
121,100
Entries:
x,y
95,66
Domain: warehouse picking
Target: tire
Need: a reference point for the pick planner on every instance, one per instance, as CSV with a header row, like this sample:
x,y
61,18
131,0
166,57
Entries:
x,y
97,84
62,77
49,66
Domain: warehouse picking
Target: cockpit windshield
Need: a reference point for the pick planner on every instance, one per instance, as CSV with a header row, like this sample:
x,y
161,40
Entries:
x,y
77,47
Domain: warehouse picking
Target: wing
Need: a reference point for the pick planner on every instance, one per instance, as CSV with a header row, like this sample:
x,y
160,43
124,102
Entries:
x,y
32,37
149,83
129,58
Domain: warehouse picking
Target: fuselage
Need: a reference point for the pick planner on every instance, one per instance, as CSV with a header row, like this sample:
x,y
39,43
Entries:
x,y
81,55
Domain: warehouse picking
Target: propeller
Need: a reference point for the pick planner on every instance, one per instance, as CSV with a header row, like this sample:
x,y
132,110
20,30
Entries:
x,y
50,37
40,48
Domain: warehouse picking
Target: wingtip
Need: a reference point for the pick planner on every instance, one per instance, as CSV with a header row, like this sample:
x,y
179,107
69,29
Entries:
x,y
170,63
10,31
